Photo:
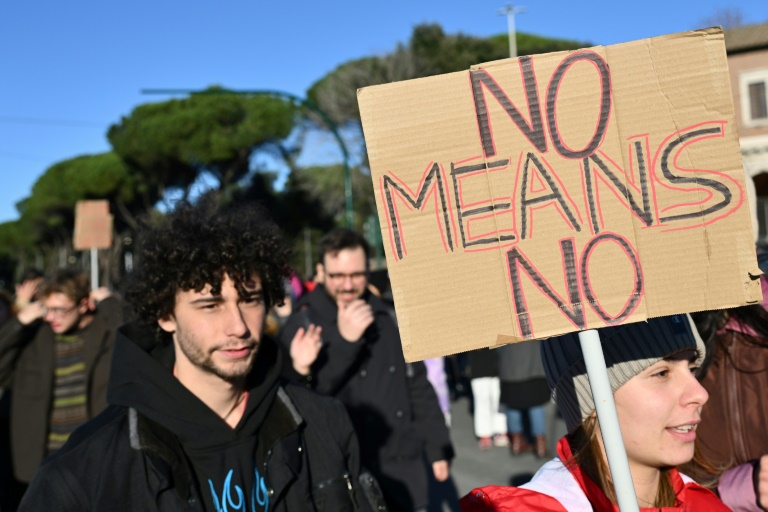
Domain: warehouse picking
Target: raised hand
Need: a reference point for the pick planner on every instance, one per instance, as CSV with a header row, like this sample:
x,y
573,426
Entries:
x,y
353,319
26,291
305,346
98,295
31,312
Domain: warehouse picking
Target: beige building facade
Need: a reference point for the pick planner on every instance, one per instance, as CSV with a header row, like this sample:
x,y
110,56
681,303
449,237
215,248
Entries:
x,y
747,49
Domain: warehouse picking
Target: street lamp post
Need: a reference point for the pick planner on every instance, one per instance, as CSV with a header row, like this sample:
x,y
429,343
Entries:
x,y
510,10
348,208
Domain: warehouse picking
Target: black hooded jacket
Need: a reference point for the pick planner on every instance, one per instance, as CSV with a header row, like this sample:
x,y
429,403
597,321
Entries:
x,y
392,405
158,447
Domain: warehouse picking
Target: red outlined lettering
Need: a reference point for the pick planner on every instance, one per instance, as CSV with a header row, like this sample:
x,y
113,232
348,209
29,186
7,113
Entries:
x,y
572,308
558,197
492,215
638,288
432,181
536,184
605,104
671,148
480,80
483,208
624,189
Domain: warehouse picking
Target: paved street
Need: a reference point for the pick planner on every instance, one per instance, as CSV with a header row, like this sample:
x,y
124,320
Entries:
x,y
473,468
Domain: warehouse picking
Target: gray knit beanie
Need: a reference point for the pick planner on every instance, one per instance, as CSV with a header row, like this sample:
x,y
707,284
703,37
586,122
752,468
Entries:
x,y
628,349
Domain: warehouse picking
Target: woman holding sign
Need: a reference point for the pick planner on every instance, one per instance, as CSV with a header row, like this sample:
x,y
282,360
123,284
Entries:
x,y
651,369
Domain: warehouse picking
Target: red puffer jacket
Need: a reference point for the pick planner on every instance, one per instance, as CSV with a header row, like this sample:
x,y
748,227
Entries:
x,y
555,487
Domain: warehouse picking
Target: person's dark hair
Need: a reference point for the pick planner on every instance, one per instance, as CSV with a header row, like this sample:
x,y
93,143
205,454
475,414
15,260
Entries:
x,y
340,239
72,283
30,274
708,323
195,244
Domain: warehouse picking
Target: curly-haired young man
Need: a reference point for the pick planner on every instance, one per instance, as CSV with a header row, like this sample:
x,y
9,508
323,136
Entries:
x,y
200,418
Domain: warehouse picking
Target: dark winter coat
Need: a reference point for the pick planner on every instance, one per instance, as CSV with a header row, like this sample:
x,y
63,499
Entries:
x,y
483,362
733,423
732,434
26,365
392,405
523,383
124,460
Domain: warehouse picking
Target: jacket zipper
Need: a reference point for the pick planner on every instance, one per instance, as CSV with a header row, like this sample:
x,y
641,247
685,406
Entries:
x,y
351,490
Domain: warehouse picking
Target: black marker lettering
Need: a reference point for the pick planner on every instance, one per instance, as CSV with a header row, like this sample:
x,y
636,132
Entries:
x,y
575,313
645,213
556,195
533,131
591,200
697,180
464,214
589,292
416,202
605,104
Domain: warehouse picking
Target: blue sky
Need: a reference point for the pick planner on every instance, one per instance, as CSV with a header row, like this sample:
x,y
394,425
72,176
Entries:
x,y
70,69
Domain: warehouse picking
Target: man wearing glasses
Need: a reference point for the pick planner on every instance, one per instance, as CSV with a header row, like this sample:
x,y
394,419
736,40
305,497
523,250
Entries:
x,y
55,356
392,405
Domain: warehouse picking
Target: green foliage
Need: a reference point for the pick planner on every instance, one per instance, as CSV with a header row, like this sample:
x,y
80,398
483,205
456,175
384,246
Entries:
x,y
170,143
429,52
325,186
96,176
16,245
13,237
332,92
530,44
436,53
49,211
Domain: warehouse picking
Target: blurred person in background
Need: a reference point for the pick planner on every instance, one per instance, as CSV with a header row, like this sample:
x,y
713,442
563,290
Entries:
x,y
56,356
27,288
439,380
733,434
524,391
11,489
489,422
458,373
380,285
392,405
279,313
8,494
6,305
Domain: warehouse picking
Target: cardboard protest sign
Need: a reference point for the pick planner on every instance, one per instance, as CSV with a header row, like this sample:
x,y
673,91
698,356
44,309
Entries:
x,y
530,197
93,225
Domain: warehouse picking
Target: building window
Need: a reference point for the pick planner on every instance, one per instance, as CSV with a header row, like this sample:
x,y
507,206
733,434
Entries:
x,y
757,101
761,190
754,98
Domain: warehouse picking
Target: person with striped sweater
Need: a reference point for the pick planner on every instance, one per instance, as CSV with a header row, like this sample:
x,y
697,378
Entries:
x,y
55,356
